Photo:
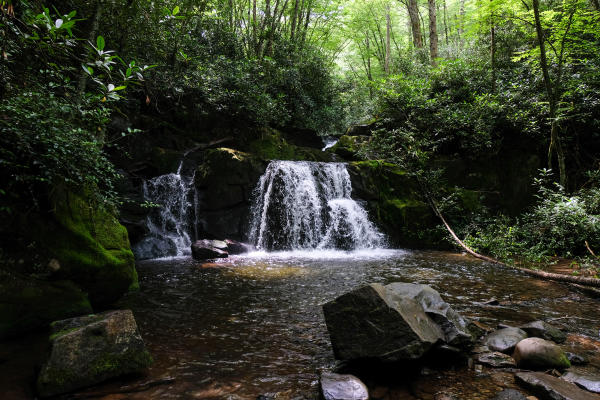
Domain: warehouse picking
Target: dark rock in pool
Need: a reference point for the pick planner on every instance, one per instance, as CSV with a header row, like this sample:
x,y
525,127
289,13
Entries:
x,y
496,359
544,330
587,382
377,322
235,247
538,353
342,387
91,349
510,394
208,249
576,359
504,340
549,387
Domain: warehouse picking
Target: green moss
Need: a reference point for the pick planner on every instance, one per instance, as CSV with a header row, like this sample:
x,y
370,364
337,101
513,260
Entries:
x,y
272,146
62,333
91,246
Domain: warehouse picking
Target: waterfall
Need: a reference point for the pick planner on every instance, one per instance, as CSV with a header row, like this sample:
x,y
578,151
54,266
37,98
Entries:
x,y
169,226
307,205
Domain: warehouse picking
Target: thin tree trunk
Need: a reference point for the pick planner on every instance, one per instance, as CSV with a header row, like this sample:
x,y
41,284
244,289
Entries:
x,y
461,22
294,19
445,25
388,47
433,36
493,49
413,13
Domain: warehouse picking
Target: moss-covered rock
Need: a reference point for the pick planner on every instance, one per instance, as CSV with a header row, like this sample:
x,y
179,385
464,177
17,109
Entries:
x,y
91,246
91,349
396,204
28,303
348,147
272,146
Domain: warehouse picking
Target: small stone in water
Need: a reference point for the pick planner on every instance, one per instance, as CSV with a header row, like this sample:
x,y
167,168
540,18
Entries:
x,y
576,359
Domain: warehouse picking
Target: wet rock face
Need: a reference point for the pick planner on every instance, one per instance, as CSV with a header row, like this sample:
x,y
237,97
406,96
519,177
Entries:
x,y
91,349
504,340
537,353
208,249
342,387
587,382
452,323
388,323
544,330
549,387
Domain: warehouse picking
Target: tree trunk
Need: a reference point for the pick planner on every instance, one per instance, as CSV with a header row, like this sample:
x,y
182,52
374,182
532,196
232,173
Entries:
x,y
413,13
461,21
294,19
445,24
493,48
433,36
388,47
555,145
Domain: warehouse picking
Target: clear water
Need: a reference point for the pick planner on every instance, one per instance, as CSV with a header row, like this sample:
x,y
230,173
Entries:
x,y
252,324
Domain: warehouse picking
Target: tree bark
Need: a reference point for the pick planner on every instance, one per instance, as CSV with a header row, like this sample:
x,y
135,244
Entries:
x,y
493,48
413,13
445,24
433,36
461,22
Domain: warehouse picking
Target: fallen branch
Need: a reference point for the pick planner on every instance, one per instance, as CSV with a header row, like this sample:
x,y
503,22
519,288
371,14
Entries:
x,y
580,280
587,246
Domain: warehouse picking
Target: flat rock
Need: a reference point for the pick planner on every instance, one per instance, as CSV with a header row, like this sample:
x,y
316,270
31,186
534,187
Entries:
x,y
544,330
208,249
342,387
376,322
587,382
452,323
548,387
510,394
496,359
538,353
91,349
504,340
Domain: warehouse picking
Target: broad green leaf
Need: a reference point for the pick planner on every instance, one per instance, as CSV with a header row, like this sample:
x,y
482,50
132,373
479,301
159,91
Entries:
x,y
100,43
175,10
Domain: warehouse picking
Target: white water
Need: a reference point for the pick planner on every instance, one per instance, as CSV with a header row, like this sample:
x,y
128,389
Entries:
x,y
307,205
171,224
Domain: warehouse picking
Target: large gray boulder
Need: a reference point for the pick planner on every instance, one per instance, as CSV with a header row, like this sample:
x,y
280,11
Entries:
x,y
342,387
380,322
544,330
504,340
452,323
548,387
538,353
91,349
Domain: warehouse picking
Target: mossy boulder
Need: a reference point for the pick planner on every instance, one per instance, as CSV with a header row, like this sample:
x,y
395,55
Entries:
x,y
348,147
271,145
91,349
28,303
91,247
395,202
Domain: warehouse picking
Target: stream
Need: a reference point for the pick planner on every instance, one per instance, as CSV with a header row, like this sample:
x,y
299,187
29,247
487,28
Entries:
x,y
252,325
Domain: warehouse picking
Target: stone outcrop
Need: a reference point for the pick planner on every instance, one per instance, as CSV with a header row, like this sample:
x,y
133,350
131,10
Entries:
x,y
544,330
208,249
91,349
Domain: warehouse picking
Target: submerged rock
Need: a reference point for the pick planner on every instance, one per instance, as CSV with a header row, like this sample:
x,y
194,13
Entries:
x,y
207,249
576,359
496,359
549,387
587,382
544,330
377,322
91,349
504,340
537,353
342,387
510,394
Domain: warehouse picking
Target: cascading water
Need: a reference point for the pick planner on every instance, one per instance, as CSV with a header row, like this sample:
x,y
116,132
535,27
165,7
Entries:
x,y
170,225
307,205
